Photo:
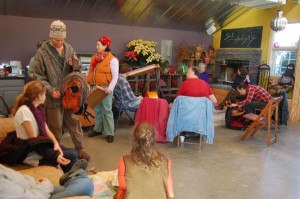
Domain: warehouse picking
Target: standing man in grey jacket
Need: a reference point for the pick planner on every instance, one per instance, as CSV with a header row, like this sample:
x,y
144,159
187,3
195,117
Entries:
x,y
53,61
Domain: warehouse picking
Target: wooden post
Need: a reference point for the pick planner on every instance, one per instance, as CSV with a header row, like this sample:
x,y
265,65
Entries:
x,y
295,111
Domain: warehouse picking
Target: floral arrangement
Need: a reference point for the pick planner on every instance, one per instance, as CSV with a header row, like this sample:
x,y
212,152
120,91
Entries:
x,y
198,48
173,82
142,52
184,51
209,54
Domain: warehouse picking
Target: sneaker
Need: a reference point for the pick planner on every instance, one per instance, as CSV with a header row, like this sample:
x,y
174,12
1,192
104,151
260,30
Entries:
x,y
94,133
78,167
110,138
83,155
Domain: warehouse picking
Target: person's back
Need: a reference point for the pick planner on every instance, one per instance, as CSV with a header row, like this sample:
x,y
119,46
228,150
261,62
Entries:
x,y
126,95
146,172
154,181
123,90
194,88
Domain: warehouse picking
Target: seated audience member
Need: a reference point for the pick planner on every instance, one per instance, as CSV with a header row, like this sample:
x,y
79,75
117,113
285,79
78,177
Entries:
x,y
203,74
30,122
148,171
74,183
242,77
123,90
195,87
256,98
233,95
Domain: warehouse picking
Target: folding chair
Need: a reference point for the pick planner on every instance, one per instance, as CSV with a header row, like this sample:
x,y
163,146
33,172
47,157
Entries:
x,y
263,119
264,76
124,109
191,114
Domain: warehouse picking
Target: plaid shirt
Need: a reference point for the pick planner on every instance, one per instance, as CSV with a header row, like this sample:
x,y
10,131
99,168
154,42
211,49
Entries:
x,y
255,93
125,93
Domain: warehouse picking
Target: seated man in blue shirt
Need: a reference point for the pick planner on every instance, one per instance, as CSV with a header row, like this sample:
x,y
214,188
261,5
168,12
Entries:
x,y
123,90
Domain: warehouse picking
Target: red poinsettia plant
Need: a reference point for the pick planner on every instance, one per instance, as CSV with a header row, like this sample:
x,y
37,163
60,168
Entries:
x,y
131,57
173,82
172,69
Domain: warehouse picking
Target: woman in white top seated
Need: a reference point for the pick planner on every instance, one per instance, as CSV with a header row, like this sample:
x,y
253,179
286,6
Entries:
x,y
30,122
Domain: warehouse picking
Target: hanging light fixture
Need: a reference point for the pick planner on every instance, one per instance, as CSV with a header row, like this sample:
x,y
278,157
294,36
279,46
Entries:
x,y
279,23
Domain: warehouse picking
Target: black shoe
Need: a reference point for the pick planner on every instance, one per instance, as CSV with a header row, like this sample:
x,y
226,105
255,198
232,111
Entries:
x,y
94,133
110,138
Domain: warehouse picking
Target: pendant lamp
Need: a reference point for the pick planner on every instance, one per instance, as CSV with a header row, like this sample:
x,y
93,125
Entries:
x,y
279,23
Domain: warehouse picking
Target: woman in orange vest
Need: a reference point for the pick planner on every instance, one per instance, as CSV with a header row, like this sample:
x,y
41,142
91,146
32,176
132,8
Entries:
x,y
104,72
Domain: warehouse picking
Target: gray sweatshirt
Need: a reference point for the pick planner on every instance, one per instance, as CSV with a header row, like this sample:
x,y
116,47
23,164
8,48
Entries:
x,y
15,185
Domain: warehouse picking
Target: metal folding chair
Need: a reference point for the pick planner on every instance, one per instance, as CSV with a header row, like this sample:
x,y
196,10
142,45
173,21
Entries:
x,y
124,109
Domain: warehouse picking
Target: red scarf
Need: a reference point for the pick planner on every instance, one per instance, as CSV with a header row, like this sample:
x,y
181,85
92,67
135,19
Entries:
x,y
99,58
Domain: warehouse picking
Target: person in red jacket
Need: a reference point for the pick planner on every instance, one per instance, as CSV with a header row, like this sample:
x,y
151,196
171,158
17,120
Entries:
x,y
195,87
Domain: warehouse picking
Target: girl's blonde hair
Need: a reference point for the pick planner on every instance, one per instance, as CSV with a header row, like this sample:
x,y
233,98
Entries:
x,y
143,152
30,92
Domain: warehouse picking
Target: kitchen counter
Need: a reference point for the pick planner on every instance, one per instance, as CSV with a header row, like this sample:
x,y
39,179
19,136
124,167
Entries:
x,y
12,77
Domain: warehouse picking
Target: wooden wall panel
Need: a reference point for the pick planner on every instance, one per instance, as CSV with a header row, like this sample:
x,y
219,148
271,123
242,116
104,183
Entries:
x,y
295,113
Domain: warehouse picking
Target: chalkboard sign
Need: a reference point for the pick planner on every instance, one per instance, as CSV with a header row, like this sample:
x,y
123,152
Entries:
x,y
242,37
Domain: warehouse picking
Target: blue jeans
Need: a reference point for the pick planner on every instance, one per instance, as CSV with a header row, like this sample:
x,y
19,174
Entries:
x,y
79,185
70,154
250,108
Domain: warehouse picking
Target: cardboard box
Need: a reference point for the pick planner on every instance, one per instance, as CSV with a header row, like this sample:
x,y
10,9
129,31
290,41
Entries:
x,y
96,96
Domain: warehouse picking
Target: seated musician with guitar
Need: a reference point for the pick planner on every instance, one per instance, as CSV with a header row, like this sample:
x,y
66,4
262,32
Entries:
x,y
123,90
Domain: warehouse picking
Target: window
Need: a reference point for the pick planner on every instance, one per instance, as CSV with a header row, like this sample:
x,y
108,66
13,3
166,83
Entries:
x,y
284,50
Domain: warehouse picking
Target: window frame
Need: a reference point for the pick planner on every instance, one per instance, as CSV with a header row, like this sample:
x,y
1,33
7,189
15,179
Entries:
x,y
273,50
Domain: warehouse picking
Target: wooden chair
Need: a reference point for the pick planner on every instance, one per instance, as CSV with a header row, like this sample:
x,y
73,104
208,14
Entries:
x,y
263,119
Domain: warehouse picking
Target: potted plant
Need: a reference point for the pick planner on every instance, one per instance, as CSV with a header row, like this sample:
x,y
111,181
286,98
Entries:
x,y
141,53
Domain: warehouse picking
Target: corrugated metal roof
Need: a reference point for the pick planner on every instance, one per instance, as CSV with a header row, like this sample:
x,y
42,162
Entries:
x,y
172,14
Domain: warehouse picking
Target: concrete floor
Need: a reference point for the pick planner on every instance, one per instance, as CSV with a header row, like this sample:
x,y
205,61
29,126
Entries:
x,y
228,169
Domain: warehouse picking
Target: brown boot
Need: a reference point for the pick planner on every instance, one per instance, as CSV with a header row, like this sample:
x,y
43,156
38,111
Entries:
x,y
83,155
